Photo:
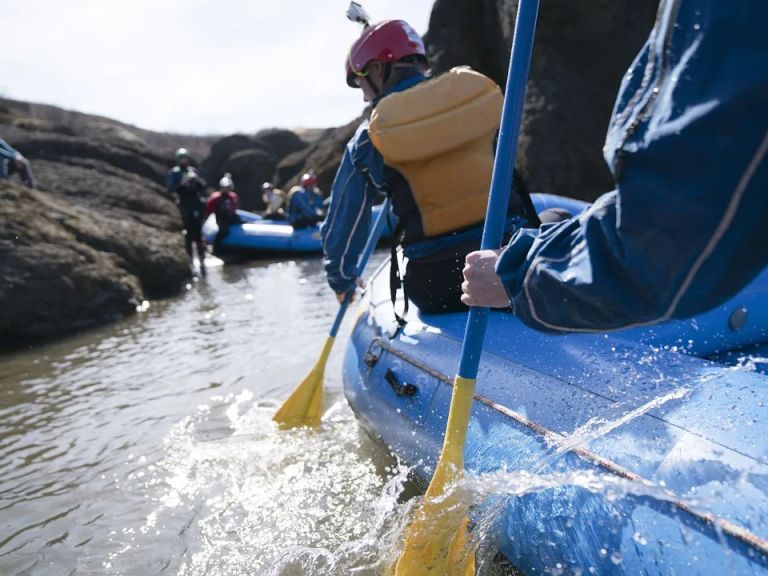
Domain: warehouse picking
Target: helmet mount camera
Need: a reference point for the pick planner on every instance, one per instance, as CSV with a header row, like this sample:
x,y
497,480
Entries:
x,y
357,13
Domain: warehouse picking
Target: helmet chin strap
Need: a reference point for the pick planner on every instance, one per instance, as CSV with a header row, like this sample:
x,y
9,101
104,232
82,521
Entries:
x,y
375,89
393,73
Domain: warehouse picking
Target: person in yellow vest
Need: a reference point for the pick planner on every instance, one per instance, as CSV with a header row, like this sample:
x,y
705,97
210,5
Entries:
x,y
274,201
429,145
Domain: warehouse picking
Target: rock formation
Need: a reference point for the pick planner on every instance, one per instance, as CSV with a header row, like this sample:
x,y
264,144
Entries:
x,y
98,237
101,235
251,160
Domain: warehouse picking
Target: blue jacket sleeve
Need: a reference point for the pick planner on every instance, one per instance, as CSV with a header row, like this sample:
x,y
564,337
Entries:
x,y
685,228
348,222
6,155
6,151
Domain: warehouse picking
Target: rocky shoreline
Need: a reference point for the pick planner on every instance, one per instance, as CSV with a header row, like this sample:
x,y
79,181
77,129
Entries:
x,y
100,235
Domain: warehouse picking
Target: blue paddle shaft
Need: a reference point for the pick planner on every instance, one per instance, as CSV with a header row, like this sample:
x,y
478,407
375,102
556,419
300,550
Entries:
x,y
503,166
370,245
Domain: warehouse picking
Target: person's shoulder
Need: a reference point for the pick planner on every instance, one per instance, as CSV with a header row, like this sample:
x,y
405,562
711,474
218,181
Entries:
x,y
361,134
360,144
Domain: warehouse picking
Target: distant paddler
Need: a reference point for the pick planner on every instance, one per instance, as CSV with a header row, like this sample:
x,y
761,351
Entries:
x,y
305,202
274,202
223,203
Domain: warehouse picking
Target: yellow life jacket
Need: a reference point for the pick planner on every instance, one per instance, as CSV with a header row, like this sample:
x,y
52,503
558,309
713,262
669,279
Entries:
x,y
439,136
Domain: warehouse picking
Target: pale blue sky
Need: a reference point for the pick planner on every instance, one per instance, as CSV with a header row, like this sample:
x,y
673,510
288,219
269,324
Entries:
x,y
192,66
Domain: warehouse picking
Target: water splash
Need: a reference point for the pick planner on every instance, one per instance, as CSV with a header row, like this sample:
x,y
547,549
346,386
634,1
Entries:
x,y
598,427
752,364
246,498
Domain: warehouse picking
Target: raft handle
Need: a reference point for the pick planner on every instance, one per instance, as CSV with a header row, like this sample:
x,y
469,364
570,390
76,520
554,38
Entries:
x,y
399,388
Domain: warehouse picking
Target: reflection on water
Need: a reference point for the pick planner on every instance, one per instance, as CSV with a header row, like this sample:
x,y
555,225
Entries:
x,y
147,446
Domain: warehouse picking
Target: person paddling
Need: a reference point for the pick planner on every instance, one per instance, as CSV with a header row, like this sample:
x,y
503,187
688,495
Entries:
x,y
429,145
305,203
274,201
223,203
685,228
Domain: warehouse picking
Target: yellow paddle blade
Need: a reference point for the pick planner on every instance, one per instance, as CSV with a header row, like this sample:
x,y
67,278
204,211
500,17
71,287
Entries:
x,y
304,406
437,543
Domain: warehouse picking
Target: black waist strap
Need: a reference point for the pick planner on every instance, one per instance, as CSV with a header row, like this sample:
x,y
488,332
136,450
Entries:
x,y
396,280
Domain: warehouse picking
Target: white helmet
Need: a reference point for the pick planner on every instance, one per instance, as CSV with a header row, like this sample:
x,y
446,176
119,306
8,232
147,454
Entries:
x,y
226,181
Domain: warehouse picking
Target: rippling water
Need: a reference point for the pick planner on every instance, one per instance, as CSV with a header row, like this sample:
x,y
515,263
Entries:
x,y
147,447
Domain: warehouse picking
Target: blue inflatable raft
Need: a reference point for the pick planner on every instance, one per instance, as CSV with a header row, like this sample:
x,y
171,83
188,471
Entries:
x,y
260,236
638,454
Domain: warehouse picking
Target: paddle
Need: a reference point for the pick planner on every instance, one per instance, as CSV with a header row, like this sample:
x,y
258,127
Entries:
x,y
304,406
436,543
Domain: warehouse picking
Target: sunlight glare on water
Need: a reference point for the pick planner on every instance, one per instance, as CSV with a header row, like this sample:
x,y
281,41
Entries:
x,y
250,499
147,446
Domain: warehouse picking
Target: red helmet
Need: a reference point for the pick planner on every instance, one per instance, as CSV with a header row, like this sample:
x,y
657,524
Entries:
x,y
309,180
389,41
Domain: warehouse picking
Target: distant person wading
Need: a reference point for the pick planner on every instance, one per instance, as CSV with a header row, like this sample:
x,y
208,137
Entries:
x,y
188,190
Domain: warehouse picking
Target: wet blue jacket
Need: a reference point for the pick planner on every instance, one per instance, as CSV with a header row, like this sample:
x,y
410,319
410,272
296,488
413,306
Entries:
x,y
7,152
358,183
303,206
687,225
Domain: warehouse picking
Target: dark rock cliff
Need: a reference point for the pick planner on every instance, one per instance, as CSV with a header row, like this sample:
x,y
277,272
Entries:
x,y
101,235
97,238
252,160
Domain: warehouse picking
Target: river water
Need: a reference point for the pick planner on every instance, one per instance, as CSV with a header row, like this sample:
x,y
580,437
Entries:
x,y
147,447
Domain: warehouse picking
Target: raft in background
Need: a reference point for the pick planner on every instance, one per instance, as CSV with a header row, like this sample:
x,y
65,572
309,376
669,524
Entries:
x,y
657,457
262,237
